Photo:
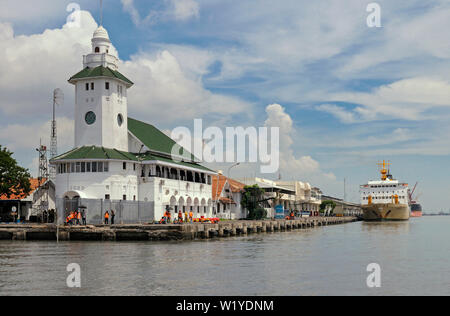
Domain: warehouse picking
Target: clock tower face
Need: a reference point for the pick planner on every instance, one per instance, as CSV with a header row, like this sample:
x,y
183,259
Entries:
x,y
90,118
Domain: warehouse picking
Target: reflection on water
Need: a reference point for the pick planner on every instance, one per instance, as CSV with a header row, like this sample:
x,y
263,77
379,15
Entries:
x,y
325,261
394,227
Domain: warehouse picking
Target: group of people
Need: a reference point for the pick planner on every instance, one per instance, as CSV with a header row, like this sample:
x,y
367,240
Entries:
x,y
108,216
76,218
167,218
48,216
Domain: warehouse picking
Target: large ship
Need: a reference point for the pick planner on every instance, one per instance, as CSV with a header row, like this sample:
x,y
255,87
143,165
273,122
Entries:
x,y
386,199
416,208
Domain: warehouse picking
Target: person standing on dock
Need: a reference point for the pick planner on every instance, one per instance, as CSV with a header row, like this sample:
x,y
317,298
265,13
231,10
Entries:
x,y
106,218
83,217
79,218
113,216
180,217
191,216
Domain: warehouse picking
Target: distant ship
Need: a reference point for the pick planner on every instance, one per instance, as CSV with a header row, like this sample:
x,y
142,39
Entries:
x,y
416,208
386,199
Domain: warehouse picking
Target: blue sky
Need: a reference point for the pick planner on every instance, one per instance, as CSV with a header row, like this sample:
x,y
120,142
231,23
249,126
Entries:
x,y
348,95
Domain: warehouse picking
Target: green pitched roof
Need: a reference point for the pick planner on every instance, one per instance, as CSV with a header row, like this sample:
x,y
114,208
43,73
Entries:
x,y
100,71
150,157
94,152
101,153
155,140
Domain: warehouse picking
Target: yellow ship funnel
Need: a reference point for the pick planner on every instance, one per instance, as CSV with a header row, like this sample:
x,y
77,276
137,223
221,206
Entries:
x,y
370,199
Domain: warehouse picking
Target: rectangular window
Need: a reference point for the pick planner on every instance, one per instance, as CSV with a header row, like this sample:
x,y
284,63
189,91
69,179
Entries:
x,y
64,168
107,85
92,86
134,197
68,168
87,86
124,166
72,167
106,166
83,167
107,197
124,197
88,167
99,166
78,167
94,167
134,167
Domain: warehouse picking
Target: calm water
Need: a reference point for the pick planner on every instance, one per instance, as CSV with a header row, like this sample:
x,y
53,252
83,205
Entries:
x,y
414,257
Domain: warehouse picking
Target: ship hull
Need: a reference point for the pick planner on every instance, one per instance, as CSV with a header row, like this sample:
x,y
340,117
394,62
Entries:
x,y
386,212
416,214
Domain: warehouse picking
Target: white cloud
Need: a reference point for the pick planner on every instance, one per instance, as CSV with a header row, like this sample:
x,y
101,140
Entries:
x,y
164,91
339,112
178,10
408,99
289,163
185,9
28,136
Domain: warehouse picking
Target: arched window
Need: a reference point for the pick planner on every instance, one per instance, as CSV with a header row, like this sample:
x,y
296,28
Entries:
x,y
158,172
97,49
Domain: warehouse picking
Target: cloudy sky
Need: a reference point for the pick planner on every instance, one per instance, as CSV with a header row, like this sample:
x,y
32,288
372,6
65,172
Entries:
x,y
344,95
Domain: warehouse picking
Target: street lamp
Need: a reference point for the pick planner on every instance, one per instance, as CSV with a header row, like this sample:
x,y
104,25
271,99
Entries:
x,y
229,169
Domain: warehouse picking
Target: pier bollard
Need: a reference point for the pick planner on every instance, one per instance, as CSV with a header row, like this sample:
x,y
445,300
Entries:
x,y
63,236
263,227
19,235
233,230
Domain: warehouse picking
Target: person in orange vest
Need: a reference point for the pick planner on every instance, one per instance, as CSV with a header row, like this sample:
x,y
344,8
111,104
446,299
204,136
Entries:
x,y
169,217
180,217
191,216
79,218
292,215
186,217
106,217
71,216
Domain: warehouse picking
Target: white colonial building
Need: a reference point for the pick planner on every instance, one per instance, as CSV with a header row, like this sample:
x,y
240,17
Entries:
x,y
120,158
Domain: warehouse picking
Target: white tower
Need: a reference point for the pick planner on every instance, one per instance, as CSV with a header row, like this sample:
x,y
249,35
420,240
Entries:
x,y
101,98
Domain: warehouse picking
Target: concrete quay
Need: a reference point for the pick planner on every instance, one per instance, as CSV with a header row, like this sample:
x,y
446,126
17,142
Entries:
x,y
154,232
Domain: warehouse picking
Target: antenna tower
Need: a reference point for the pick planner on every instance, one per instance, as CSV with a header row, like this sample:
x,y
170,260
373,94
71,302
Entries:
x,y
58,98
43,176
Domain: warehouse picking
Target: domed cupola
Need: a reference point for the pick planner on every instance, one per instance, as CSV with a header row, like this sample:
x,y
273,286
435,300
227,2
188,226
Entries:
x,y
101,55
100,41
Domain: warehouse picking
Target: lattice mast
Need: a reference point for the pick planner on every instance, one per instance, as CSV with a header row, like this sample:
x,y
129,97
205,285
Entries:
x,y
58,98
43,175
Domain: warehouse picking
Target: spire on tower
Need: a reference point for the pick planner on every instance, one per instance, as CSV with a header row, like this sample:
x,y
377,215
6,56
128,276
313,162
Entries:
x,y
101,12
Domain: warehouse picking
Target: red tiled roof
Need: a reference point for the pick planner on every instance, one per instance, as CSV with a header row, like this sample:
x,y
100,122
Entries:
x,y
218,182
34,184
226,200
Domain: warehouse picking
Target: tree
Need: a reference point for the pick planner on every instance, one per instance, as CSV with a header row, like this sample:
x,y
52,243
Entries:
x,y
14,180
251,200
327,206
